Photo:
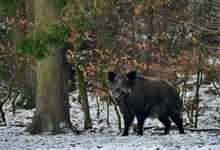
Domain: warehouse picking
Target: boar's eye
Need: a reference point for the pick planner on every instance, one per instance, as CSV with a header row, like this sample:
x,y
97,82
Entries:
x,y
115,82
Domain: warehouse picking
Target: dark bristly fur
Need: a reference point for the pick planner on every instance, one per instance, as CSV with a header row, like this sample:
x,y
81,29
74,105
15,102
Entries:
x,y
141,98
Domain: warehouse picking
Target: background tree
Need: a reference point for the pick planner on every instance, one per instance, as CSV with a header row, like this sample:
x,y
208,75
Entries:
x,y
80,24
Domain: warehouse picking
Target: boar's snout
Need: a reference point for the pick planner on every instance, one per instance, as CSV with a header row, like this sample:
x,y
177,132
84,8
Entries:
x,y
120,94
116,95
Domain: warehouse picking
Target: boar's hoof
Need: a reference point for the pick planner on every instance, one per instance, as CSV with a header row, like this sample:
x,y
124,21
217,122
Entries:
x,y
124,134
140,134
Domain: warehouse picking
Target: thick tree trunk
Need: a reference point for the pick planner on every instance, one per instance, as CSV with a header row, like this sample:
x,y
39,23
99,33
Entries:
x,y
52,109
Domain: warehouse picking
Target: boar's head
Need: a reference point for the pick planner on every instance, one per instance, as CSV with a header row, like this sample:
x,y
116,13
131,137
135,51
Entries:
x,y
122,84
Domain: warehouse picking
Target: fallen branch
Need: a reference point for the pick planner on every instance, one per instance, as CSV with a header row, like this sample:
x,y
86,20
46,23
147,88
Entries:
x,y
196,129
175,128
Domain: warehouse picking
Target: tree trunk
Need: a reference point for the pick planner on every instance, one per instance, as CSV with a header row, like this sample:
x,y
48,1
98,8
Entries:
x,y
83,94
52,109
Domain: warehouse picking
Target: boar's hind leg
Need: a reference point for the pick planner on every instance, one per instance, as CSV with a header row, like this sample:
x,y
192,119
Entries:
x,y
128,119
176,118
166,121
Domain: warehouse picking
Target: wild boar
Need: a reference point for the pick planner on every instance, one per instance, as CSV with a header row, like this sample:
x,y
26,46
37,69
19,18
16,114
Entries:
x,y
141,98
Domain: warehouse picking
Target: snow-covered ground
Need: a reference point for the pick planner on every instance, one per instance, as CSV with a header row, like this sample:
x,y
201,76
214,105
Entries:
x,y
102,136
14,138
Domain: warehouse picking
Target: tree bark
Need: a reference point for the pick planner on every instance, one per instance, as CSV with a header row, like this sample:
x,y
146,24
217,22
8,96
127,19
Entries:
x,y
52,108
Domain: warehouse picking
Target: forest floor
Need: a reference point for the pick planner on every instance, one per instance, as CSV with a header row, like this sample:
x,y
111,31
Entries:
x,y
107,137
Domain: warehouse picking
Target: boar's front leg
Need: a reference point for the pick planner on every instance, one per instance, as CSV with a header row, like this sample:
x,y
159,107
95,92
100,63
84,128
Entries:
x,y
128,119
140,120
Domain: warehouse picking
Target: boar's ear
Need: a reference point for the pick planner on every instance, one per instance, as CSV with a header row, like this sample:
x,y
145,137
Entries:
x,y
131,76
111,76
